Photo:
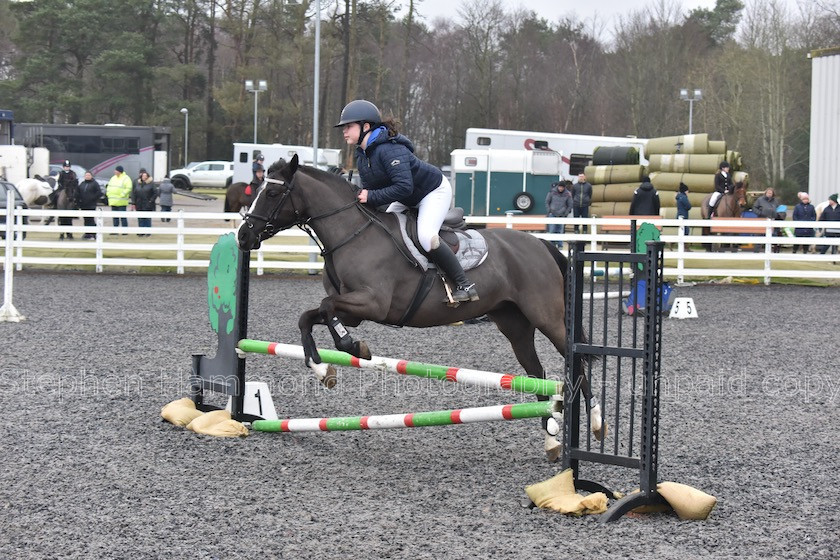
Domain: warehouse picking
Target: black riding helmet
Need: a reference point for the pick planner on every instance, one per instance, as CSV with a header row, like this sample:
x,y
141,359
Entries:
x,y
360,111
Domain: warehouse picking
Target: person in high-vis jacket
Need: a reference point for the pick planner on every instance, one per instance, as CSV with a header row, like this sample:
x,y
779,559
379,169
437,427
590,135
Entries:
x,y
118,192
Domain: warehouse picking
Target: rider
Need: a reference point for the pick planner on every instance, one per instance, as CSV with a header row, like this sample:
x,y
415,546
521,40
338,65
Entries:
x,y
259,177
68,182
723,185
391,174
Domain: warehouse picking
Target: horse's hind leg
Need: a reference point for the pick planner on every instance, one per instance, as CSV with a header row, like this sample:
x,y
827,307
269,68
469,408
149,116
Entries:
x,y
520,333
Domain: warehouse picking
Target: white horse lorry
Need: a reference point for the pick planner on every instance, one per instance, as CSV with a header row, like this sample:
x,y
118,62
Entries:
x,y
502,170
245,153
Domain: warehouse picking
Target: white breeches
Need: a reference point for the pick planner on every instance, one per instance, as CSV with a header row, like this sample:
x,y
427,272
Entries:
x,y
715,196
431,213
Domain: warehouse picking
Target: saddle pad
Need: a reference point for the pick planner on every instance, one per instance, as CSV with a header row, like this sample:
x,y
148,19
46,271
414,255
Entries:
x,y
471,253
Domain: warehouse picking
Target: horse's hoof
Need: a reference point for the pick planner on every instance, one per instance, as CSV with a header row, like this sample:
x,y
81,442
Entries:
x,y
601,432
329,380
553,449
361,350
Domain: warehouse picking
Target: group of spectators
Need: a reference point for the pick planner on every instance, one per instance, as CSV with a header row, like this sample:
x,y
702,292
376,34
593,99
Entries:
x,y
121,192
566,198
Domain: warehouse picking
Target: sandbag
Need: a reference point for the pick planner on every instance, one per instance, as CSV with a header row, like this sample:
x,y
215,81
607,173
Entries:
x,y
180,412
717,146
208,419
558,493
614,173
688,502
685,163
615,155
225,428
685,144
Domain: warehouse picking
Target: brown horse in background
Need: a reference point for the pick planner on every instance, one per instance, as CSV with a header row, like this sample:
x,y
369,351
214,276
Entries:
x,y
731,205
239,196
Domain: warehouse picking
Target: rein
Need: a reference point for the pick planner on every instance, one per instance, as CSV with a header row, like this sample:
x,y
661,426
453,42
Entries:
x,y
304,224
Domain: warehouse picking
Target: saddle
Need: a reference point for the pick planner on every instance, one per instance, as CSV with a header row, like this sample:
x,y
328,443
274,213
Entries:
x,y
454,221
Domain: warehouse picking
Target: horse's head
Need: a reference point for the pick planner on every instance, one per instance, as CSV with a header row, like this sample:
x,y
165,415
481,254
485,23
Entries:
x,y
740,193
273,209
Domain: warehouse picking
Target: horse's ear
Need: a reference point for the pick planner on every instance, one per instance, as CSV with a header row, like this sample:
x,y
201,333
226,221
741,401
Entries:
x,y
293,165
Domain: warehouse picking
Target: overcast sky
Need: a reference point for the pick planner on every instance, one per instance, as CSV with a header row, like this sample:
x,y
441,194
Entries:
x,y
604,11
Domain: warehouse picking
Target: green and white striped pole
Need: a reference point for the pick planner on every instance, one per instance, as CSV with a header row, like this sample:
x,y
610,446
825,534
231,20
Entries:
x,y
541,409
478,378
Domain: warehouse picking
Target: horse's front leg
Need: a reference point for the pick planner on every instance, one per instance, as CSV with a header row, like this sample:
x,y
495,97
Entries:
x,y
342,338
325,373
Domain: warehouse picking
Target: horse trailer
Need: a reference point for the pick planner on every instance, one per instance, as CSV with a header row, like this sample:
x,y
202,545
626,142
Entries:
x,y
577,149
491,182
244,154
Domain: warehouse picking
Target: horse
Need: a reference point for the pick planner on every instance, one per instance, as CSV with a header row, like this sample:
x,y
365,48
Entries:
x,y
62,199
370,275
730,205
238,196
35,191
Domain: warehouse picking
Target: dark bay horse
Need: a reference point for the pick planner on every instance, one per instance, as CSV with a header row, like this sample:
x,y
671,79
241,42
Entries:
x,y
369,276
238,196
731,205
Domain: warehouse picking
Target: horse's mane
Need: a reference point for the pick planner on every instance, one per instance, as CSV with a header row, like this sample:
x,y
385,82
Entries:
x,y
331,179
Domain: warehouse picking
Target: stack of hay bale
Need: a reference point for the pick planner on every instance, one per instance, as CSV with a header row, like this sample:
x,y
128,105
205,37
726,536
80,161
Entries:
x,y
615,174
692,159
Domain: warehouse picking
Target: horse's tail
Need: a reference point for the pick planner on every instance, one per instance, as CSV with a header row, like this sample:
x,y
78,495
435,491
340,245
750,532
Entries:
x,y
563,265
227,202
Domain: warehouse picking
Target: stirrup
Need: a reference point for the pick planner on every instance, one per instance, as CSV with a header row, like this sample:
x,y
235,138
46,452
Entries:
x,y
465,293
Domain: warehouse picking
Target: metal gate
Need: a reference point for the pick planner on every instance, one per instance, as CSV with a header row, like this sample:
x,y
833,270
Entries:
x,y
621,357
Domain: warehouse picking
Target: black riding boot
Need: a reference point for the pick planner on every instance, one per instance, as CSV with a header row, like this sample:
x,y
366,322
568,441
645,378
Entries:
x,y
448,263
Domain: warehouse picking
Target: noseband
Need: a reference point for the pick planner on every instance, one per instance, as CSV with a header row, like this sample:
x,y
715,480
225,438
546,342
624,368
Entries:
x,y
268,225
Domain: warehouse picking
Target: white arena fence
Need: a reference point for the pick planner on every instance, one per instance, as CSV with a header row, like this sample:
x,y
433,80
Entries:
x,y
188,234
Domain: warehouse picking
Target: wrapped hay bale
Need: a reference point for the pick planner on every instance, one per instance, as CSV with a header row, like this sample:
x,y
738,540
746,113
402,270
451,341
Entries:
x,y
614,173
671,213
697,182
609,209
741,176
734,160
717,146
685,144
614,192
685,163
615,155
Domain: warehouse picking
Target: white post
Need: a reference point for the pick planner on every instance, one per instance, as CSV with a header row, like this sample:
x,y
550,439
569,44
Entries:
x,y
768,250
680,253
100,239
19,242
8,313
256,97
179,255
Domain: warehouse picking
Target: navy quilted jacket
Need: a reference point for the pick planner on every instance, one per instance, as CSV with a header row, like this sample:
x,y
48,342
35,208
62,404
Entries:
x,y
392,173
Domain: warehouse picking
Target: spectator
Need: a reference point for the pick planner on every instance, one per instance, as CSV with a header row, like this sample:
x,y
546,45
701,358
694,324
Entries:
x,y
645,199
683,204
581,199
68,183
165,190
804,212
256,182
723,185
89,194
831,213
765,205
558,204
143,198
118,191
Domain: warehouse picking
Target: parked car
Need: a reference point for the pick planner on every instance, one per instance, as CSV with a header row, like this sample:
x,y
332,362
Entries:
x,y
5,188
205,174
